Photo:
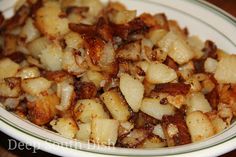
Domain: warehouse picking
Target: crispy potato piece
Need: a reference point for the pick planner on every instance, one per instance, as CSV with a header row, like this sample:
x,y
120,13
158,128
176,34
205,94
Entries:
x,y
65,126
175,130
87,109
51,57
153,108
116,104
49,22
42,109
73,40
10,87
160,73
152,142
36,46
129,51
104,131
122,16
124,128
180,52
197,45
199,126
95,4
156,34
35,86
8,68
28,72
157,130
210,65
132,90
93,76
134,138
29,31
70,64
219,124
172,88
67,95
225,71
84,132
143,120
85,90
197,102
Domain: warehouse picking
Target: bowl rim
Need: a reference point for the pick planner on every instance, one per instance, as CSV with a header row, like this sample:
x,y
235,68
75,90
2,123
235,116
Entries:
x,y
13,126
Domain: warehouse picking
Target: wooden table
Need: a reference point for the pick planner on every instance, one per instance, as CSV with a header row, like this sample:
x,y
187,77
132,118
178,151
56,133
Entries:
x,y
227,5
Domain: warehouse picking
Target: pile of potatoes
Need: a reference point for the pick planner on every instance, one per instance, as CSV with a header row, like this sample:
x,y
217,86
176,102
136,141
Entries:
x,y
101,73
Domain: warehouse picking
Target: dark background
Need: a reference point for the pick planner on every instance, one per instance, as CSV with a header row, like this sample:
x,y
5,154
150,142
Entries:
x,y
227,5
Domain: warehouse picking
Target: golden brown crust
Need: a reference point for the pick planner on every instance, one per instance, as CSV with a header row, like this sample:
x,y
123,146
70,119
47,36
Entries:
x,y
43,109
172,88
181,136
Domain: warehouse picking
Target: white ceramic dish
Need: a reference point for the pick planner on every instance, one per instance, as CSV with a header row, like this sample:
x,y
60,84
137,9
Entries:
x,y
203,20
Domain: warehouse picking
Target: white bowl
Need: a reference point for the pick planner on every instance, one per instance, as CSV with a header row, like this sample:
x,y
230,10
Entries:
x,y
203,20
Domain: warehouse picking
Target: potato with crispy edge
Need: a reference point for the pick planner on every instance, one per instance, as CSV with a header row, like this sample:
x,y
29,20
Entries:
x,y
116,104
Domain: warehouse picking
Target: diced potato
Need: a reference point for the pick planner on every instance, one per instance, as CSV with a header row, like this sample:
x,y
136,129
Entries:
x,y
65,126
153,142
104,131
8,68
225,112
42,108
180,52
36,46
187,70
156,35
130,51
70,65
153,108
125,127
166,42
10,87
160,73
11,103
122,17
108,55
87,109
48,20
195,84
73,40
29,31
226,71
35,86
95,6
116,105
207,86
177,100
197,45
66,95
218,124
210,65
197,102
157,130
199,126
93,76
51,57
28,72
134,138
132,90
143,65
84,132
